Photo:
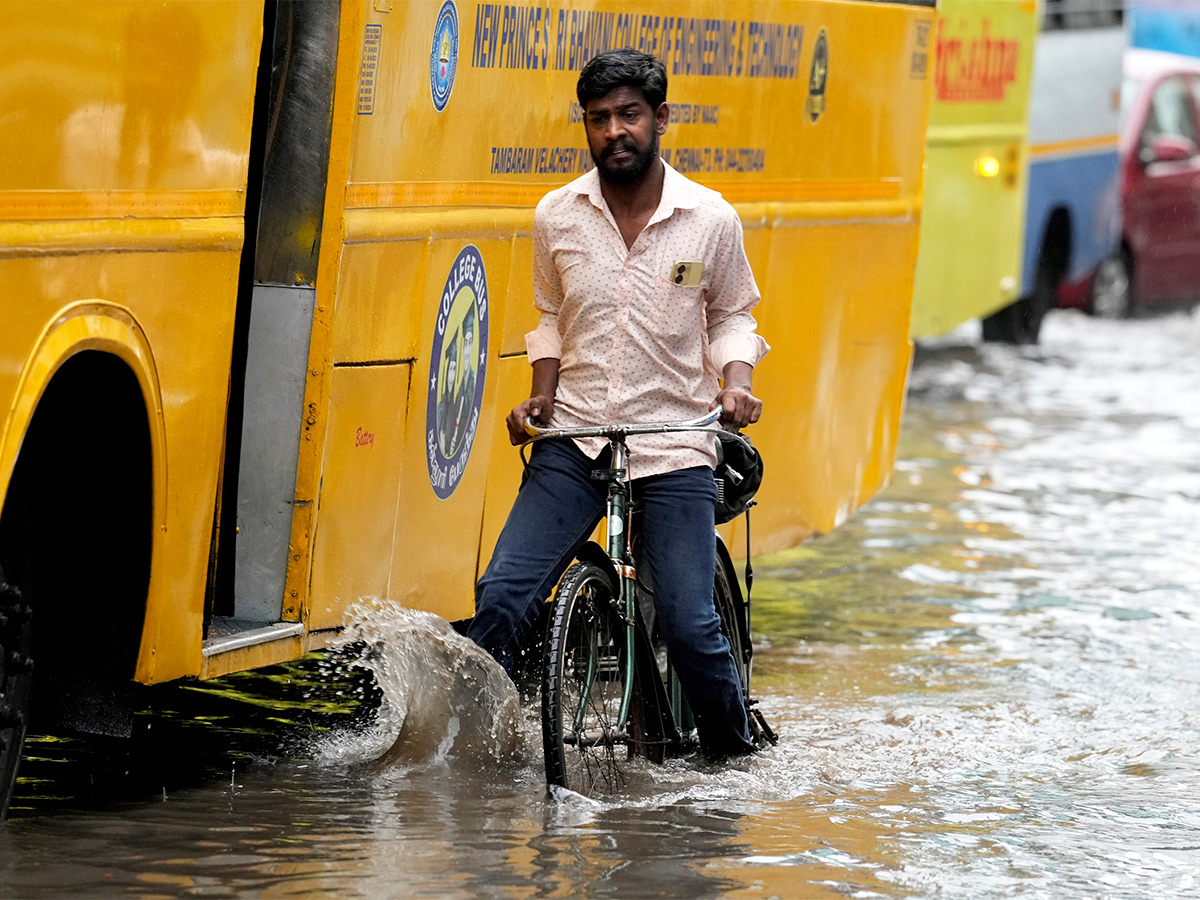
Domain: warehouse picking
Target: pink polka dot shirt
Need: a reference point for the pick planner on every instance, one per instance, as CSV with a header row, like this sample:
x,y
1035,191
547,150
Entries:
x,y
633,345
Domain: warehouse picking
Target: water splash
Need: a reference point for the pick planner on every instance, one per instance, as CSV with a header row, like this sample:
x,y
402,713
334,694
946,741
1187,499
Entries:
x,y
444,700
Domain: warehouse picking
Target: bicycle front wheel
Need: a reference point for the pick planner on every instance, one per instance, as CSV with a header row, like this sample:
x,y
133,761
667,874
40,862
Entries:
x,y
587,747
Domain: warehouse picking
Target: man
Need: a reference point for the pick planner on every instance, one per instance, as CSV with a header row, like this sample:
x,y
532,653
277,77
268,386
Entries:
x,y
466,393
447,394
645,294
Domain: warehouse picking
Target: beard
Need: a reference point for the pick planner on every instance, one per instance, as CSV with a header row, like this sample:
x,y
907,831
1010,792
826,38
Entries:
x,y
630,168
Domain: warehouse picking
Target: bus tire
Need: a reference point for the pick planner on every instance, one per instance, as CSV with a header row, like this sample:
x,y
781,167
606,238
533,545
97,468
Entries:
x,y
998,327
1021,322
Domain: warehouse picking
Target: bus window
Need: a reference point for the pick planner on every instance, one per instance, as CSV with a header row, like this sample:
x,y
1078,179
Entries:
x,y
1072,14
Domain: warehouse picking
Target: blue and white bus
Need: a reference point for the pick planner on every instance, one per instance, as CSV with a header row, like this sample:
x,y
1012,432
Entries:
x,y
1073,211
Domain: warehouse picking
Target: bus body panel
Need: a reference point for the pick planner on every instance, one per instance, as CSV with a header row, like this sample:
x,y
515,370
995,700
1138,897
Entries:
x,y
971,230
831,442
184,399
376,319
406,152
128,96
363,464
125,143
1083,184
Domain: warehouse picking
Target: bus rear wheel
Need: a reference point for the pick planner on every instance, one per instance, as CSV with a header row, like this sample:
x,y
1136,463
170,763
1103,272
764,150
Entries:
x,y
1021,322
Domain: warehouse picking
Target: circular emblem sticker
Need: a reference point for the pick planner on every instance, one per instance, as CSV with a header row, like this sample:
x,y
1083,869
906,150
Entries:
x,y
443,59
457,369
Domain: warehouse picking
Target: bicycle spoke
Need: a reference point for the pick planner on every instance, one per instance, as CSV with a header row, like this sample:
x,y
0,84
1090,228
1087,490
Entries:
x,y
595,732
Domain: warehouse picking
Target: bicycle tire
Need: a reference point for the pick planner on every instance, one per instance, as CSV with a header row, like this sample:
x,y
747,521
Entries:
x,y
733,615
726,602
586,636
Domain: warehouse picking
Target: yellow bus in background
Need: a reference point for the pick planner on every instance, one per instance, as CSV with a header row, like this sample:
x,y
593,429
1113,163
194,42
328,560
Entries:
x,y
976,163
265,272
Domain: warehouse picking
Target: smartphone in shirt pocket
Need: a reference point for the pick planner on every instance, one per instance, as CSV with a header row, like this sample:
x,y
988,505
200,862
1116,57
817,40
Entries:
x,y
687,272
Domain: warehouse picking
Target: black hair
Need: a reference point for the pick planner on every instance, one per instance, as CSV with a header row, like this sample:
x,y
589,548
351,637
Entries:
x,y
627,67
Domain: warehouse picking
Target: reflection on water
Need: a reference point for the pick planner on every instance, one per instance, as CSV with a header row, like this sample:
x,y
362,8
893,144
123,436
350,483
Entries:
x,y
985,683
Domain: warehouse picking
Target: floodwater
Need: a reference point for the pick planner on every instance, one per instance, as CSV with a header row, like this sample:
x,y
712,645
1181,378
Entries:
x,y
987,684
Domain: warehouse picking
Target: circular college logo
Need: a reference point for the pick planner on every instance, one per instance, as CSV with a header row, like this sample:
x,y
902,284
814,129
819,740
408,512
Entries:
x,y
443,58
457,369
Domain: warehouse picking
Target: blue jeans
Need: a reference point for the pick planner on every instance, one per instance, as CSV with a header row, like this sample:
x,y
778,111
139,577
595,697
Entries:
x,y
556,509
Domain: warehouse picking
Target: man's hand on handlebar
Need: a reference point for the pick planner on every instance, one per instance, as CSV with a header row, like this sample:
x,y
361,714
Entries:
x,y
538,408
739,406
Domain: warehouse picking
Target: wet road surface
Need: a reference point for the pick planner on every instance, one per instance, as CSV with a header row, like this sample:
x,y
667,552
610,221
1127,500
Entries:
x,y
987,682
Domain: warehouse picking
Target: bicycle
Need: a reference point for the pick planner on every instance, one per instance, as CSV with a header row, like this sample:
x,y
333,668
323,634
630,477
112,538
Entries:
x,y
608,689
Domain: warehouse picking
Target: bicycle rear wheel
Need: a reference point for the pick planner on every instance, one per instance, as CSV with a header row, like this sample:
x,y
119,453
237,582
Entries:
x,y
732,612
586,668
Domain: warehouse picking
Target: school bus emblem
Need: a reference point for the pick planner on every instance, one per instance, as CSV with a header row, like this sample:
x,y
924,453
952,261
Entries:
x,y
457,371
443,58
817,78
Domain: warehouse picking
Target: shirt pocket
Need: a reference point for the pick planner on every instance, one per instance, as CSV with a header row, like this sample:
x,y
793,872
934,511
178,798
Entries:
x,y
680,307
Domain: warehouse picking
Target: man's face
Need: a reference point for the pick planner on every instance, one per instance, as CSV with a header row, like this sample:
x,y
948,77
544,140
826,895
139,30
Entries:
x,y
622,133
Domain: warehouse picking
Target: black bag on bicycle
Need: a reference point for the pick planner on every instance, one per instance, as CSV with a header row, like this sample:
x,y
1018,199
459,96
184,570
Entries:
x,y
738,474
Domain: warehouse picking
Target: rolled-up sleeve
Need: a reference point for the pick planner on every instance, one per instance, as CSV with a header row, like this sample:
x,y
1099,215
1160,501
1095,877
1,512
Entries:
x,y
732,294
544,342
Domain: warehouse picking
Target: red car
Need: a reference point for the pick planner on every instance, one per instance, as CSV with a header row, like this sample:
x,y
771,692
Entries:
x,y
1159,259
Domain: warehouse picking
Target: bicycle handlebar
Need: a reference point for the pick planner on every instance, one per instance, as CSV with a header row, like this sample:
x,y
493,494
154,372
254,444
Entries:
x,y
700,423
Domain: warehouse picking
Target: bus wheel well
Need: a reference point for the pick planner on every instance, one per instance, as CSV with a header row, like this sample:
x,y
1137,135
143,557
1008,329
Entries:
x,y
85,479
1054,255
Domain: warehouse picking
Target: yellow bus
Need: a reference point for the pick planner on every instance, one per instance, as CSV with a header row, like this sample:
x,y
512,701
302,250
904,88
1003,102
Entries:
x,y
265,272
976,163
